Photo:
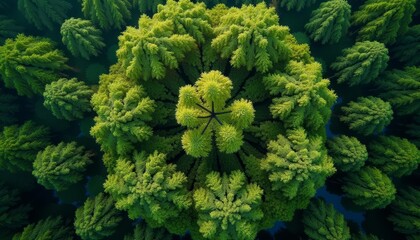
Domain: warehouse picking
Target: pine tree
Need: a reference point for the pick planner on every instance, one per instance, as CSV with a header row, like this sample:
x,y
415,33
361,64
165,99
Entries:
x,y
330,21
44,13
405,213
361,63
228,207
321,221
8,28
296,4
13,214
19,145
297,165
28,63
59,166
67,98
145,232
407,47
369,188
97,218
107,14
81,37
401,88
393,155
347,153
49,228
8,108
149,188
368,115
148,6
201,108
304,100
383,20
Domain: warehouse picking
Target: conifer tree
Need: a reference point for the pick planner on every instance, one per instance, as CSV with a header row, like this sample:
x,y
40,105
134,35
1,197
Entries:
x,y
321,221
407,47
81,37
19,145
148,6
67,98
405,213
107,14
44,13
8,28
49,228
201,108
28,63
361,63
59,166
8,108
228,207
297,165
97,218
142,231
367,115
149,188
13,214
305,99
296,4
347,153
401,88
369,188
330,21
393,155
383,20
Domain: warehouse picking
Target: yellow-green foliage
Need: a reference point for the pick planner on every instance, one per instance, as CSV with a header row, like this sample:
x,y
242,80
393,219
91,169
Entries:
x,y
97,218
67,98
59,166
296,4
28,63
19,145
369,188
347,153
367,115
44,13
228,207
49,228
13,214
407,47
107,14
322,222
145,232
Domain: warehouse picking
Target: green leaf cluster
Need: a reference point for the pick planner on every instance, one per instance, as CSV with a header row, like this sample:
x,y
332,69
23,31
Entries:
x,y
49,228
296,4
107,14
146,6
44,13
145,232
347,153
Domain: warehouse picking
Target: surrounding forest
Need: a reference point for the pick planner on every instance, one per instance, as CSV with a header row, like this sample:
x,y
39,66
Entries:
x,y
209,119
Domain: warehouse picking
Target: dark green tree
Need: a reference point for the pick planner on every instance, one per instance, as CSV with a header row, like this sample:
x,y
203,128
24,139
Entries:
x,y
8,108
68,98
367,115
145,232
8,28
321,221
361,63
383,20
107,14
296,4
405,213
59,166
407,48
81,37
46,229
393,155
347,153
228,207
330,21
13,214
369,188
44,13
28,63
19,145
97,218
148,6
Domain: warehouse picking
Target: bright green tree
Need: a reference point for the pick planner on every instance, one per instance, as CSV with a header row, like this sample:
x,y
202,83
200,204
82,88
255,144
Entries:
x,y
8,28
146,6
228,207
97,218
369,188
296,164
401,88
383,20
367,115
59,166
202,109
303,95
145,232
19,145
361,63
28,63
407,47
107,14
149,188
81,37
330,21
405,213
393,155
8,108
49,228
44,13
347,153
322,222
296,4
13,214
67,98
